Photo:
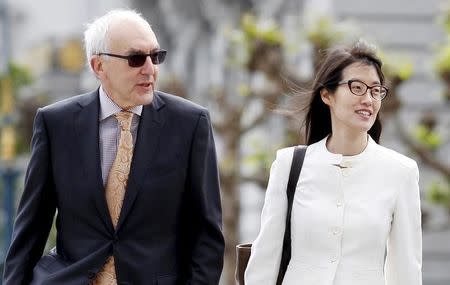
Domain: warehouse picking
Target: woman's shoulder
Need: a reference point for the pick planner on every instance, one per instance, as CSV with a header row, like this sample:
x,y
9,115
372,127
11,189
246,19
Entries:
x,y
284,157
394,158
286,153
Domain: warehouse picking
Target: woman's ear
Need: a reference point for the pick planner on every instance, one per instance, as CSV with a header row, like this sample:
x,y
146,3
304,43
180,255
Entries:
x,y
325,95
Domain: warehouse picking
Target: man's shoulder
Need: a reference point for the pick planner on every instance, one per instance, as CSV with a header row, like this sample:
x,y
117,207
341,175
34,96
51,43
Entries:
x,y
178,104
71,103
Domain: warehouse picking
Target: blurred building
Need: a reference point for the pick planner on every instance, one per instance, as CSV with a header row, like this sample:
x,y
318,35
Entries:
x,y
47,39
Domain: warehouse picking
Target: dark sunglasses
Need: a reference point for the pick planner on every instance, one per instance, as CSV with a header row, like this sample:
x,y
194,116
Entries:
x,y
138,60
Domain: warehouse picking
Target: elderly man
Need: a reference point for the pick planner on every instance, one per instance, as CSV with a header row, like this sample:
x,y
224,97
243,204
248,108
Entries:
x,y
131,171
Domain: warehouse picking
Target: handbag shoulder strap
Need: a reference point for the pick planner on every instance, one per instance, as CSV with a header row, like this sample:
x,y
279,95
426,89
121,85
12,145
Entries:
x,y
294,174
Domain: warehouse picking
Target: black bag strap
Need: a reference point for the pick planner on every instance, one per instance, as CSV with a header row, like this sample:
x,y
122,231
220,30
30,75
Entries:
x,y
294,174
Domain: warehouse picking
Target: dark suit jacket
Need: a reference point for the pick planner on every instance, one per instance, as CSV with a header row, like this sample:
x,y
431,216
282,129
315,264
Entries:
x,y
169,230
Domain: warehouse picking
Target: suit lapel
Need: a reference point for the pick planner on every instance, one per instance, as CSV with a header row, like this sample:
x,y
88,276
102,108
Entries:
x,y
150,126
87,134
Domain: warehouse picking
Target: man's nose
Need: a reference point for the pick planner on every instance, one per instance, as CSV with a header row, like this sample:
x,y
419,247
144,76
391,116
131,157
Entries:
x,y
148,67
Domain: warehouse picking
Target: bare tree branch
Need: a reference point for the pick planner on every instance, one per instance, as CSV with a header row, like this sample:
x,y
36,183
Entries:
x,y
270,100
424,154
260,180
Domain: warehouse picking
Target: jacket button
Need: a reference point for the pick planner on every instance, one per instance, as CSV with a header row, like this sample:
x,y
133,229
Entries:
x,y
91,274
116,239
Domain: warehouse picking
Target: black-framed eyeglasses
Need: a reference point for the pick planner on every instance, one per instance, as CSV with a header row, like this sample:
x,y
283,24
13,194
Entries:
x,y
359,88
138,59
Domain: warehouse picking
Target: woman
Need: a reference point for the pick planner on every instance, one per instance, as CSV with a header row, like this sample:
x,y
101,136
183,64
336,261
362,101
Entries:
x,y
356,210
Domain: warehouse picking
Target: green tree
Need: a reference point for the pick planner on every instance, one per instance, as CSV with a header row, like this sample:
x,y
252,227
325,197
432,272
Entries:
x,y
429,139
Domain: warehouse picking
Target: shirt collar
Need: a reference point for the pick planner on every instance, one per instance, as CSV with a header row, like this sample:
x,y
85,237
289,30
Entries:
x,y
109,108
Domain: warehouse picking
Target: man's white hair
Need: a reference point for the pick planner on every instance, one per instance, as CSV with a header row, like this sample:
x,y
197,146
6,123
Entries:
x,y
96,33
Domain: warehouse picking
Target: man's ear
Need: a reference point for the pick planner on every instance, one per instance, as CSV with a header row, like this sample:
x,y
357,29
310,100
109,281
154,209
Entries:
x,y
325,95
96,65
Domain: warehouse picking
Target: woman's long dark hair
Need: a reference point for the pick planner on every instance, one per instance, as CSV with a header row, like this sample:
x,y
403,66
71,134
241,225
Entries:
x,y
318,118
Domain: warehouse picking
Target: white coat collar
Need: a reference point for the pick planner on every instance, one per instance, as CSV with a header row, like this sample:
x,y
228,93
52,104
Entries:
x,y
339,159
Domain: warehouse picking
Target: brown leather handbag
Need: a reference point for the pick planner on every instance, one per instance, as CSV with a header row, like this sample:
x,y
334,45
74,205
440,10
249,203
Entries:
x,y
243,251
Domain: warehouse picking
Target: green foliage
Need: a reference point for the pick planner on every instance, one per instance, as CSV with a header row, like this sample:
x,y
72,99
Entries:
x,y
442,57
426,137
396,66
444,18
22,111
261,29
439,193
251,33
244,90
442,60
261,158
20,76
26,108
324,32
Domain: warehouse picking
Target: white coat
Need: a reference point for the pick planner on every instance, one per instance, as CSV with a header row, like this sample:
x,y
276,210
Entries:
x,y
355,220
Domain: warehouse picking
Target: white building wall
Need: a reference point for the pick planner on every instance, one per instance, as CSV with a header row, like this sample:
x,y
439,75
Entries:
x,y
32,21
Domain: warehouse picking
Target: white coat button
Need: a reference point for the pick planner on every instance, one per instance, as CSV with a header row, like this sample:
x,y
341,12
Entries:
x,y
339,203
333,259
336,231
345,172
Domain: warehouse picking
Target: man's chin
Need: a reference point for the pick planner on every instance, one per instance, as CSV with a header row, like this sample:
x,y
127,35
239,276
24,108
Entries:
x,y
146,98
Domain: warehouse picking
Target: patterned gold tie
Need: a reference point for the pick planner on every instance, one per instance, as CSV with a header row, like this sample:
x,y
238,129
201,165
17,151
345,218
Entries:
x,y
115,188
